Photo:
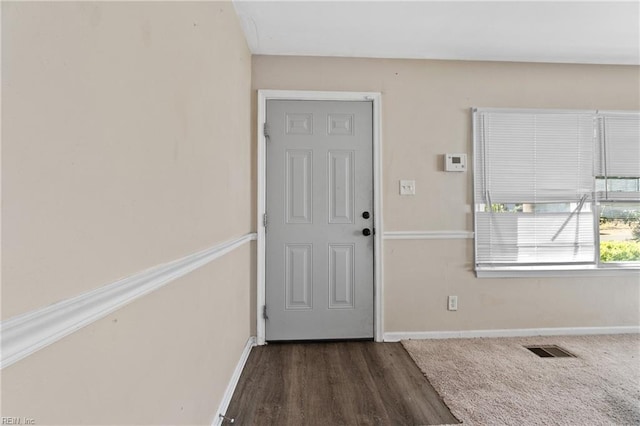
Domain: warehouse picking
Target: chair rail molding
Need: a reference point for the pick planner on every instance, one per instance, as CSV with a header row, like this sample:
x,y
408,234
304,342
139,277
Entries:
x,y
27,333
428,235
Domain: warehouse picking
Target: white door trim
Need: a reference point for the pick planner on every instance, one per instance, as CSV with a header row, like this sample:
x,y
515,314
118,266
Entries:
x,y
376,98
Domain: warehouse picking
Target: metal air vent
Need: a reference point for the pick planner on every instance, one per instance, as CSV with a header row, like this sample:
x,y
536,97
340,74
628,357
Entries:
x,y
550,351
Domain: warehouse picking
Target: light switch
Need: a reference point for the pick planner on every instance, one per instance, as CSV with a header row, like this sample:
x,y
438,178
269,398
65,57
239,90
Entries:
x,y
407,187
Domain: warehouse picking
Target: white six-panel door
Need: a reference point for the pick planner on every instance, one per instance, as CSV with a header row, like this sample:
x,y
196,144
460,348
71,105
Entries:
x,y
319,204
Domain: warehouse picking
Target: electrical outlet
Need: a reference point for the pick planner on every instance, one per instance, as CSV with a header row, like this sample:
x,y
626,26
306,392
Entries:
x,y
453,303
407,187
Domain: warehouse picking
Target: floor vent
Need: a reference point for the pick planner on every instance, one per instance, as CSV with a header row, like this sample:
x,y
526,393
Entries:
x,y
550,351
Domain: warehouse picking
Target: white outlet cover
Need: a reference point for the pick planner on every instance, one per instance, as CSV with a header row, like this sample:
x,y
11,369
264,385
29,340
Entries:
x,y
407,187
452,302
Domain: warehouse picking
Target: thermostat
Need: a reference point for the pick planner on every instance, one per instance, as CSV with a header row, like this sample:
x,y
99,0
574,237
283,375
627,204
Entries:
x,y
455,162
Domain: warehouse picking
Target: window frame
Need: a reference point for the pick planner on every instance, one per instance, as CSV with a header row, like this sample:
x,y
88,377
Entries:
x,y
595,268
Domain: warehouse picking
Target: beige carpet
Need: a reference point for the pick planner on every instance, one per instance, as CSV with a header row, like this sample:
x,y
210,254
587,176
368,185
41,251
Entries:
x,y
499,382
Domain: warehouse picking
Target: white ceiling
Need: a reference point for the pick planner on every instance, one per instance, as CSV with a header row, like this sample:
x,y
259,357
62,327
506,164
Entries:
x,y
606,32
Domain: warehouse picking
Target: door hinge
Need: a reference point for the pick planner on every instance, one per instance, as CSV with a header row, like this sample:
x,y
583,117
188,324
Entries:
x,y
265,131
264,312
264,222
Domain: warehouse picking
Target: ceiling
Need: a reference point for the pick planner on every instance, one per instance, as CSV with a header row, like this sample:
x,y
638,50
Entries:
x,y
589,32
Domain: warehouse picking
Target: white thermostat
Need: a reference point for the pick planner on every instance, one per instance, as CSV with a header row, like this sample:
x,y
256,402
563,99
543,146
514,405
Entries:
x,y
455,162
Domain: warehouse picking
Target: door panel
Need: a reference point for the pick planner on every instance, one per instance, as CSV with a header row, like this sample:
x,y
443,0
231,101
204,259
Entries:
x,y
341,275
341,184
298,276
299,175
319,265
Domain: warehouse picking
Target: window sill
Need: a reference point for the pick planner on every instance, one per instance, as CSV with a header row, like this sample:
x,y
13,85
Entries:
x,y
558,271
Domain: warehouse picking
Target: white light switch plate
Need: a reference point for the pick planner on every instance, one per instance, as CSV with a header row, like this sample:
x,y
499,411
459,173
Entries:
x,y
407,187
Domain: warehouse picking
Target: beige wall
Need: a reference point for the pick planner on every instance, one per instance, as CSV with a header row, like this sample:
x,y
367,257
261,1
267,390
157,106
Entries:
x,y
419,275
124,127
126,144
425,113
164,359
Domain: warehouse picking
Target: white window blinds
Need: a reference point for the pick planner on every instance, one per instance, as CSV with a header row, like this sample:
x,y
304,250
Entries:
x,y
533,157
533,173
618,156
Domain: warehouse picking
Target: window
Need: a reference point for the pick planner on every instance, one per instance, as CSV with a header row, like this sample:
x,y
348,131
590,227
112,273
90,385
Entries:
x,y
617,173
556,188
619,232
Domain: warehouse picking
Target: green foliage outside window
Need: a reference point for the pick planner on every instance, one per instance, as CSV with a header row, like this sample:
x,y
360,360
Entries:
x,y
620,251
612,219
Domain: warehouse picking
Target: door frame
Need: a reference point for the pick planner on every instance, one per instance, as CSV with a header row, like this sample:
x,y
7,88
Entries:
x,y
376,98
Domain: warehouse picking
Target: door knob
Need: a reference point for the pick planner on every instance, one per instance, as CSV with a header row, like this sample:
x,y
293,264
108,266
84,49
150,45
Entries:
x,y
366,232
366,215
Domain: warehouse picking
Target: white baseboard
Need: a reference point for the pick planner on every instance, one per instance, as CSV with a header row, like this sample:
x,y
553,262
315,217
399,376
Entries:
x,y
233,382
515,332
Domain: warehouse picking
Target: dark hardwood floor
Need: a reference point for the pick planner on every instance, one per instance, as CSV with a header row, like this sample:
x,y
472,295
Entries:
x,y
337,383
